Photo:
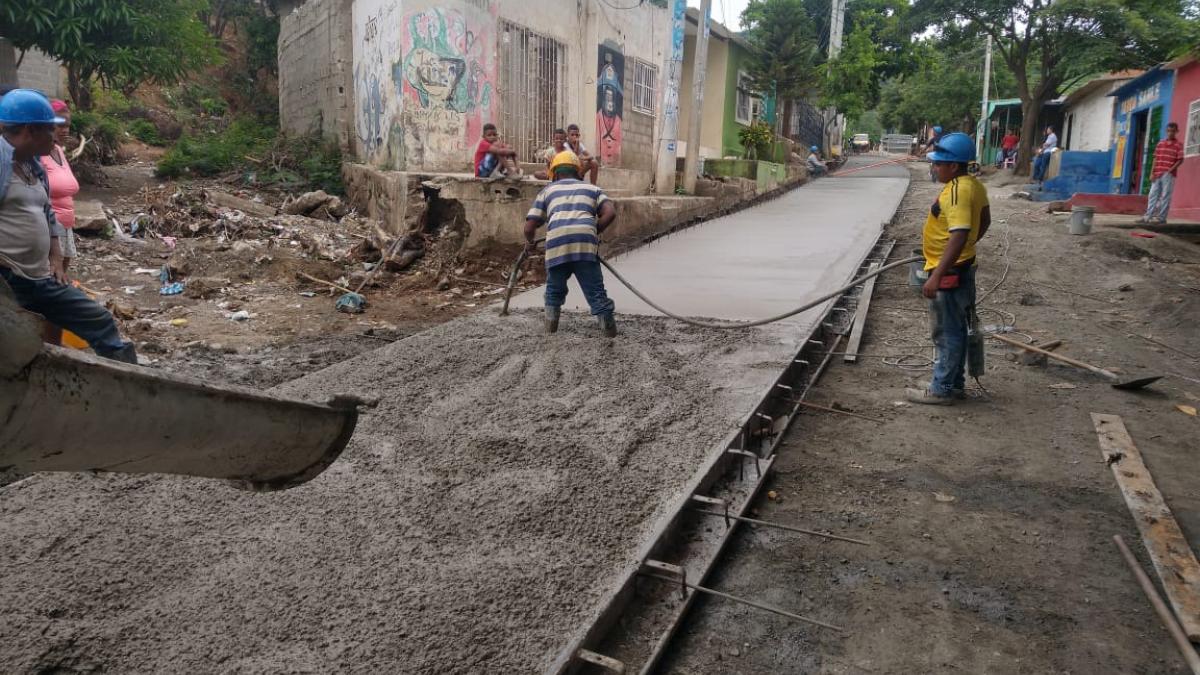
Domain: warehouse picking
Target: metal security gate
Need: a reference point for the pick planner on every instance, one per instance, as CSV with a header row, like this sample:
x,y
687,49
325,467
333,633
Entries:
x,y
806,125
533,89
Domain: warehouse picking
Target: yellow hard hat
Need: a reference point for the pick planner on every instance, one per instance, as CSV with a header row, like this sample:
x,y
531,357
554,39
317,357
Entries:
x,y
565,158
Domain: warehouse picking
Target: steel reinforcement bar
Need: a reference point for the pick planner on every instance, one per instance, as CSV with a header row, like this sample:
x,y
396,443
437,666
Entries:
x,y
636,620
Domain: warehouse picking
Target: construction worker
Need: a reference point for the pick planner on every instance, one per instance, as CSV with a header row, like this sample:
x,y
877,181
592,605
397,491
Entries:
x,y
956,221
574,213
816,166
31,257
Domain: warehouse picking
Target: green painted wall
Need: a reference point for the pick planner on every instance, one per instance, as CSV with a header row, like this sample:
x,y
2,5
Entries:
x,y
768,175
730,145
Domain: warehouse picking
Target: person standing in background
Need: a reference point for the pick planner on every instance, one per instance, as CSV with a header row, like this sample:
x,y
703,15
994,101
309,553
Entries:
x,y
1168,155
63,185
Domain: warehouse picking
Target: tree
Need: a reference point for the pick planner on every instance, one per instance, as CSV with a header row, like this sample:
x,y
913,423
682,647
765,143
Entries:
x,y
120,43
851,83
1050,44
783,48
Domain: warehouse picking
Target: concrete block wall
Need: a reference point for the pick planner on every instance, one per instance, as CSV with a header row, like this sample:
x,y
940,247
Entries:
x,y
637,128
37,71
316,90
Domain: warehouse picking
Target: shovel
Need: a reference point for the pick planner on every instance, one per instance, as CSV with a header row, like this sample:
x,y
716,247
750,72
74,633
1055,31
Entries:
x,y
1112,377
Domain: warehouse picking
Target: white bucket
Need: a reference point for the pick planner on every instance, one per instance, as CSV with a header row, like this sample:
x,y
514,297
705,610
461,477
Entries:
x,y
1081,219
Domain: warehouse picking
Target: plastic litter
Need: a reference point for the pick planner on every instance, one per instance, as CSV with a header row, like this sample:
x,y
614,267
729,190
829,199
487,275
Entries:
x,y
174,288
351,303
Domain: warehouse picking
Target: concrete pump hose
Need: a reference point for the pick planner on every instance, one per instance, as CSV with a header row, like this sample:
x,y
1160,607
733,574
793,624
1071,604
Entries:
x,y
760,322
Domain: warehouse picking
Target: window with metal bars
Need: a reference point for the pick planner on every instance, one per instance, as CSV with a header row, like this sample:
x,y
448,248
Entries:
x,y
533,89
645,86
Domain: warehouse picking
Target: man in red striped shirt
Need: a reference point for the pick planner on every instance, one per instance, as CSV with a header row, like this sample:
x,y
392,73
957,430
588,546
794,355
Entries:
x,y
1168,155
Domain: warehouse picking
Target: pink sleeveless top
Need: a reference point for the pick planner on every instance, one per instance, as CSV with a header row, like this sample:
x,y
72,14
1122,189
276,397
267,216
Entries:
x,y
63,187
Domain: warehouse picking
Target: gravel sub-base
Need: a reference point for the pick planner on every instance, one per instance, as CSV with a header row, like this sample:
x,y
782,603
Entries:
x,y
501,486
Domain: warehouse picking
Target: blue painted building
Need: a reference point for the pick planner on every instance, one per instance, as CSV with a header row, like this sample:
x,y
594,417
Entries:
x,y
1139,122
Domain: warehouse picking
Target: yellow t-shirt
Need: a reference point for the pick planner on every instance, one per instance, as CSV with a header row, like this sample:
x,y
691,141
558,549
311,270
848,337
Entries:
x,y
958,207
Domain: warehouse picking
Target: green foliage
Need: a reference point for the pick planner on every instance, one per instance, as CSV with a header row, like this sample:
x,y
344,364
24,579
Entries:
x,y
756,139
868,123
104,132
146,132
217,151
262,38
851,82
120,43
261,154
1048,45
784,53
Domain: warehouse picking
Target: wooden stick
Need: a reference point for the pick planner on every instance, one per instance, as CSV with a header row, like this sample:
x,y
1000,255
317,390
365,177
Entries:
x,y
1169,550
860,316
325,283
1160,608
814,406
1057,357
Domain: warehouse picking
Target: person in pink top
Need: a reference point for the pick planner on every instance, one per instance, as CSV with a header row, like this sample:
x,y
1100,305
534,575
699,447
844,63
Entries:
x,y
63,186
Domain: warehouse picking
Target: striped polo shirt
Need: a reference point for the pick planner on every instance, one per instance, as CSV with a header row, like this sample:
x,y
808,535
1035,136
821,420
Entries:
x,y
569,208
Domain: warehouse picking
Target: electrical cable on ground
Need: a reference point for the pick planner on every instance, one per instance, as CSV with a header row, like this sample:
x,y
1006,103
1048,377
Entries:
x,y
760,322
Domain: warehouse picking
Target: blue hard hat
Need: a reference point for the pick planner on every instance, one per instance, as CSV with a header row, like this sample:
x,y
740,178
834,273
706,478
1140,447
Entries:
x,y
937,130
813,148
954,147
26,106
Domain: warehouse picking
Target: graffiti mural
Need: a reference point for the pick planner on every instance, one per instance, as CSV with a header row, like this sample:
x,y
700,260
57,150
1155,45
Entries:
x,y
446,79
376,129
610,95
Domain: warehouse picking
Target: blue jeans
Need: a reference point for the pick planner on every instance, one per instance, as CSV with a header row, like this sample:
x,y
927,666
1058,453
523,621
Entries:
x,y
948,321
1040,164
591,279
1159,200
68,307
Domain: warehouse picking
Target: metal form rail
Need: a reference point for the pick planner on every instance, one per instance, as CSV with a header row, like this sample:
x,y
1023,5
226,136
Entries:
x,y
636,620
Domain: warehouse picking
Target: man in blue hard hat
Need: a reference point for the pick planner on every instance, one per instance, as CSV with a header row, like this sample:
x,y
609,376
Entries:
x,y
31,261
956,221
816,167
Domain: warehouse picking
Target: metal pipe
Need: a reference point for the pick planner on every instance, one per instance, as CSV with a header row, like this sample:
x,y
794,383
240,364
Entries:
x,y
744,601
789,528
1164,614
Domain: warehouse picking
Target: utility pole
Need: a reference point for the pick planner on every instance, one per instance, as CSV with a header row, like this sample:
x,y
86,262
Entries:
x,y
837,20
691,164
981,131
664,170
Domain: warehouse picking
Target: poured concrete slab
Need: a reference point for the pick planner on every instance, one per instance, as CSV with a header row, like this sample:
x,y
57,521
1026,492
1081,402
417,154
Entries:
x,y
761,261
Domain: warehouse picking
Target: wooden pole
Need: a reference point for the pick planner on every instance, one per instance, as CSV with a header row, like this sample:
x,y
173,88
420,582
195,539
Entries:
x,y
1160,608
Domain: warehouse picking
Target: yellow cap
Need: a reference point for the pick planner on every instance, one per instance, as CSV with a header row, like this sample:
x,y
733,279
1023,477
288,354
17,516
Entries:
x,y
565,158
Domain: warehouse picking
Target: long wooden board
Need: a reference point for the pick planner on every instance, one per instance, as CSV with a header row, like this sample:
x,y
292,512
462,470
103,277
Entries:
x,y
1169,551
860,316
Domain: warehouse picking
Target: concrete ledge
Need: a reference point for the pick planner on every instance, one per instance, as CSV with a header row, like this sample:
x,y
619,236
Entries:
x,y
489,214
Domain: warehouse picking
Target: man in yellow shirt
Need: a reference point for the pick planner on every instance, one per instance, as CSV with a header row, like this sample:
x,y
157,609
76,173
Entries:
x,y
956,221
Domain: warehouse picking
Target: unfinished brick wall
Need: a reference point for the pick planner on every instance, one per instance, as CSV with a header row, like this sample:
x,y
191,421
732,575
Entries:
x,y
637,130
316,91
37,71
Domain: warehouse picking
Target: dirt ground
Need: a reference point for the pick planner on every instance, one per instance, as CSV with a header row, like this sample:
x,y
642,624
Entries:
x,y
991,521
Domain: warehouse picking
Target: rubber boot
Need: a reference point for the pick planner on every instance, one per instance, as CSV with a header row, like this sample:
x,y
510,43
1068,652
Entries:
x,y
126,354
608,325
552,314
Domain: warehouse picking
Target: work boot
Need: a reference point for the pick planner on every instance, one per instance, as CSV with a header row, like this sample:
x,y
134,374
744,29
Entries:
x,y
126,354
608,325
552,314
926,397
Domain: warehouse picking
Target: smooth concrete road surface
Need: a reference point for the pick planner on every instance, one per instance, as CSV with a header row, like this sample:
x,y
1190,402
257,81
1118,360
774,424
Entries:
x,y
764,260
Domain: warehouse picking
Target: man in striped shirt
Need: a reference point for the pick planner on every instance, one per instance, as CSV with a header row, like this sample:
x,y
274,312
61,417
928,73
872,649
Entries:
x,y
574,213
1168,155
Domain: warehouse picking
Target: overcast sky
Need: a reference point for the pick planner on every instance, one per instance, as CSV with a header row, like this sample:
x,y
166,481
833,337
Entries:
x,y
725,11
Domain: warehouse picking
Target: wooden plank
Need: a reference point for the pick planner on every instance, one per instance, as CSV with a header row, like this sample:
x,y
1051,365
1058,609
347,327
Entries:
x,y
860,316
1173,558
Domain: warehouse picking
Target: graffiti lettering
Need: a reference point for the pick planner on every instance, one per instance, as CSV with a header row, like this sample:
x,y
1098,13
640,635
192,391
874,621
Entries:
x,y
372,29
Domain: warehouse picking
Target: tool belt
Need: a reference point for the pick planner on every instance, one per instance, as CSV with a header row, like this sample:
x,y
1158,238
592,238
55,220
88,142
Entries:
x,y
951,279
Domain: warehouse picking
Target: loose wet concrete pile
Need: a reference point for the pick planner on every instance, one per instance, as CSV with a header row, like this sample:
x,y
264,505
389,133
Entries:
x,y
502,484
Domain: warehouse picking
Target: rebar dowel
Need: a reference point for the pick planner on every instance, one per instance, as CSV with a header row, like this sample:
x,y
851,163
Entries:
x,y
789,528
749,603
1164,614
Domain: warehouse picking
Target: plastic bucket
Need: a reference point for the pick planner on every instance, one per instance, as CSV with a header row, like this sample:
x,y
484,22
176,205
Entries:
x,y
1081,219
